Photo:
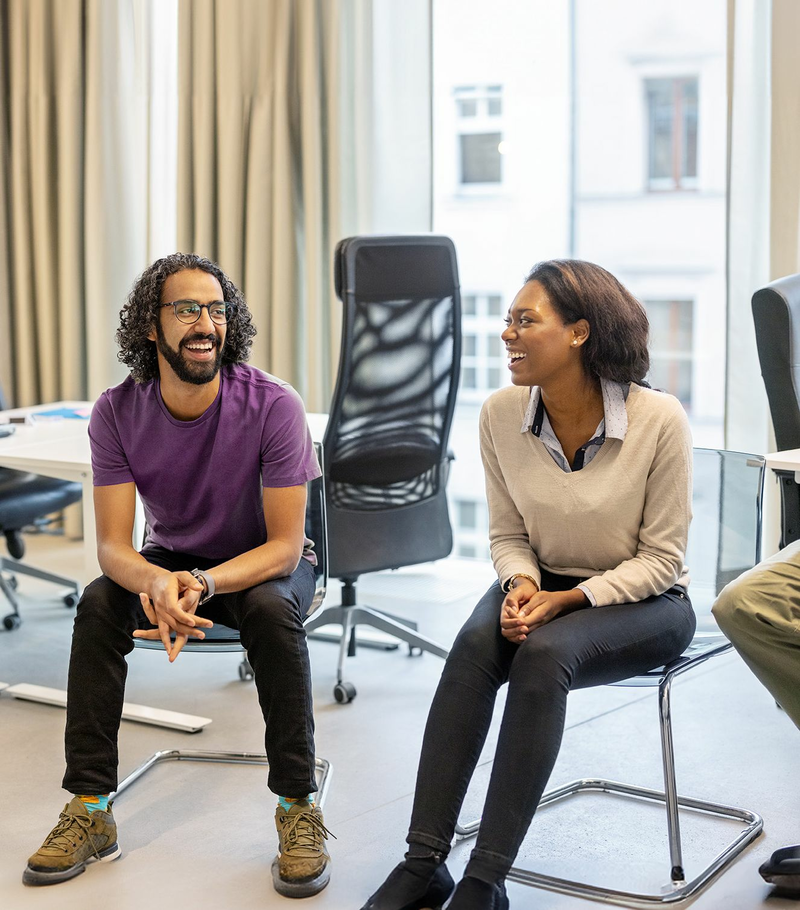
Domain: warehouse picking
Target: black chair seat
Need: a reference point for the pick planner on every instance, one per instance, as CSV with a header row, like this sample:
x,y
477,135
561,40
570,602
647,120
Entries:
x,y
25,497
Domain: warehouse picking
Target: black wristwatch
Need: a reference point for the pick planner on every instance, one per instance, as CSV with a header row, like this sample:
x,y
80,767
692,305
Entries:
x,y
203,577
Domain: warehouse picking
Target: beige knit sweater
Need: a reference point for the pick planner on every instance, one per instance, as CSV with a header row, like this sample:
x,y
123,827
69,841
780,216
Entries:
x,y
621,522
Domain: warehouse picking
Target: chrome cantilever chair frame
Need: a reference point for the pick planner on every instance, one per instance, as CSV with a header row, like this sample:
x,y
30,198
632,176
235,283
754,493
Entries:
x,y
226,640
703,647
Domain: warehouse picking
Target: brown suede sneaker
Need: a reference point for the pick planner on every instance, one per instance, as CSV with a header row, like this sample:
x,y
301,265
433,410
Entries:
x,y
302,866
80,837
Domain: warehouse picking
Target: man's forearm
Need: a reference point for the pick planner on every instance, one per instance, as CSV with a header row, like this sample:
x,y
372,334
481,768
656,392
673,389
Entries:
x,y
274,559
128,568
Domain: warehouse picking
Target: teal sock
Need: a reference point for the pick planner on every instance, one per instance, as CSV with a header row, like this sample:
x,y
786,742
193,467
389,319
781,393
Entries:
x,y
286,802
93,803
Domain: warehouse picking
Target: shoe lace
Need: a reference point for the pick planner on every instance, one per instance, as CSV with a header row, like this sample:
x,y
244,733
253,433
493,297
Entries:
x,y
304,829
61,837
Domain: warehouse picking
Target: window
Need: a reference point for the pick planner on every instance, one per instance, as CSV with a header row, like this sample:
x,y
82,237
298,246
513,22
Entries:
x,y
480,158
483,355
478,112
671,361
467,513
471,529
672,133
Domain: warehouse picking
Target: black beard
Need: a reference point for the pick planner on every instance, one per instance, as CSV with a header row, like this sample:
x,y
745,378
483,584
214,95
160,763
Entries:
x,y
189,370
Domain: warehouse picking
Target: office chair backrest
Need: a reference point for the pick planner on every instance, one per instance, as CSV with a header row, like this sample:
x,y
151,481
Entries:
x,y
386,439
776,313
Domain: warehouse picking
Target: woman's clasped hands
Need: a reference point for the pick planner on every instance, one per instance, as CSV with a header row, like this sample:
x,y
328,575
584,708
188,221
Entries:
x,y
526,608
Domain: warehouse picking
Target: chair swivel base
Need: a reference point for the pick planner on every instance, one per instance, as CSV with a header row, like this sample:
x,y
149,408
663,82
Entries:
x,y
351,616
8,584
323,766
677,890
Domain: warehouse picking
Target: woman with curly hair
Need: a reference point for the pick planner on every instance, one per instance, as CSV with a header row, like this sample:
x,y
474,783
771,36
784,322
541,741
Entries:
x,y
588,482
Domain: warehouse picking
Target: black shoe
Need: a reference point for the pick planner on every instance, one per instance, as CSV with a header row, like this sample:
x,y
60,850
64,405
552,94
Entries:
x,y
474,894
412,885
782,869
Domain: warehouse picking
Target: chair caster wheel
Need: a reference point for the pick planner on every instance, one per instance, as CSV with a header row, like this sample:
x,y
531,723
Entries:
x,y
414,651
245,671
71,601
12,621
344,692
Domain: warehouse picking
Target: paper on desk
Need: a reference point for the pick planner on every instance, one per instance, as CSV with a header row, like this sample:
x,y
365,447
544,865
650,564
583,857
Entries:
x,y
61,414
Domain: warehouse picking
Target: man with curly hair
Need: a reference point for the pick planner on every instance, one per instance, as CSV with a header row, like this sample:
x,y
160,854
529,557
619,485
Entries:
x,y
220,454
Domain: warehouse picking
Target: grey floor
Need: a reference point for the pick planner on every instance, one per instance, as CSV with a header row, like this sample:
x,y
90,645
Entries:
x,y
202,835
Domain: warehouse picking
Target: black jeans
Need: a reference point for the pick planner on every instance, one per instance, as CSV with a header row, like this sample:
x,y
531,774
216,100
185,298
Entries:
x,y
589,647
269,617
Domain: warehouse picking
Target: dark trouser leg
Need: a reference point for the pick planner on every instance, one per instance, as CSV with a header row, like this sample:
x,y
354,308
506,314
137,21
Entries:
x,y
458,722
587,648
270,620
107,615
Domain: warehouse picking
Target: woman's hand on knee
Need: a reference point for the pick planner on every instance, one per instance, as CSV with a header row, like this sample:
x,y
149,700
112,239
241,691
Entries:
x,y
545,606
512,625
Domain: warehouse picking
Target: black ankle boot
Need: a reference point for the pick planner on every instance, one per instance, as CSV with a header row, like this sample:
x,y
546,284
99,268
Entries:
x,y
474,894
414,884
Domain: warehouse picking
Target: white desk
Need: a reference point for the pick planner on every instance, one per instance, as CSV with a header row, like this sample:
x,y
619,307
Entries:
x,y
788,460
57,448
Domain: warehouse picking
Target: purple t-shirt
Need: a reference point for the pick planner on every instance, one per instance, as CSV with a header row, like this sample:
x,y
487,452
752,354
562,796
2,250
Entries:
x,y
201,481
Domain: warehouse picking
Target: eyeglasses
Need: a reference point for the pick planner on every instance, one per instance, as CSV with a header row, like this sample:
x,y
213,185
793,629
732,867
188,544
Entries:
x,y
188,311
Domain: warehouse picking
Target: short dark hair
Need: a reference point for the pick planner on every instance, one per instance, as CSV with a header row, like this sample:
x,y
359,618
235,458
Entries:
x,y
140,312
616,348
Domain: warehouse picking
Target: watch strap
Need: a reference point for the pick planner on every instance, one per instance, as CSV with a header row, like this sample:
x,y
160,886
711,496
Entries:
x,y
209,583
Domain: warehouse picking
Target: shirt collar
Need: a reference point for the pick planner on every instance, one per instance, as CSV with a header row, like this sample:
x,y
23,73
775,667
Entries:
x,y
615,413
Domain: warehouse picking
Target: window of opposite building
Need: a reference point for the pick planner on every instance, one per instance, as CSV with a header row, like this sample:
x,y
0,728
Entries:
x,y
671,343
483,356
672,117
471,528
479,111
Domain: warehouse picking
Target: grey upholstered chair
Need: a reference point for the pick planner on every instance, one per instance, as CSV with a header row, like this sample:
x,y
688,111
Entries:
x,y
776,313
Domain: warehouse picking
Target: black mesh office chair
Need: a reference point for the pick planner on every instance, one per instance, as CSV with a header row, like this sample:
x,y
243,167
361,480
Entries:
x,y
25,499
222,639
386,457
724,541
776,313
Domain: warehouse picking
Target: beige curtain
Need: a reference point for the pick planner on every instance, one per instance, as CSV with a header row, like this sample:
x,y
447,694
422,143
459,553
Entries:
x,y
43,184
262,90
763,206
6,372
764,193
77,217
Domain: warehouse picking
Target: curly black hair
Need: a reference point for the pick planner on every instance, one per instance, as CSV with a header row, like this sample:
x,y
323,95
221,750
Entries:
x,y
139,314
616,348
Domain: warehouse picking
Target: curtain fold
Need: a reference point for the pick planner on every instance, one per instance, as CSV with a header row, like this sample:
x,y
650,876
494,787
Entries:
x,y
749,120
764,193
42,119
262,90
75,116
6,298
